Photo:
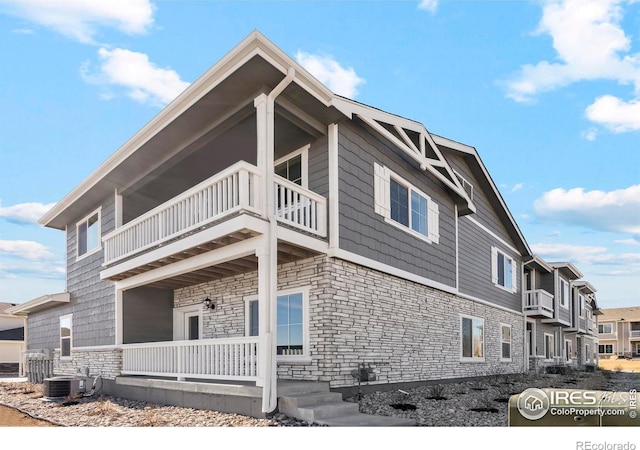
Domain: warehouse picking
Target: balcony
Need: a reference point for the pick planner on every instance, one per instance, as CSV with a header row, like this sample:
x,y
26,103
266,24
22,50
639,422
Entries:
x,y
538,303
634,334
222,209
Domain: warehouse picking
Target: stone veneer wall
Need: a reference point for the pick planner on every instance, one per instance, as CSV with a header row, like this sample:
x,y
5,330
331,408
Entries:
x,y
107,362
407,332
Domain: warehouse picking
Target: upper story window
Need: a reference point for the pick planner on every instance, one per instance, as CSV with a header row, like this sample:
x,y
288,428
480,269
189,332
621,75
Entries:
x,y
581,305
605,328
88,234
293,167
503,270
405,206
564,293
66,336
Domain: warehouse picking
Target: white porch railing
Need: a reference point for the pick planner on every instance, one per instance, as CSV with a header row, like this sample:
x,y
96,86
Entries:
x,y
300,207
538,300
222,359
232,189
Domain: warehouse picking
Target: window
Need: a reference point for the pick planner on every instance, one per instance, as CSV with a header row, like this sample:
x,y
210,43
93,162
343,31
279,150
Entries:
x,y
505,332
605,328
503,270
292,323
405,206
472,337
88,234
548,346
581,304
564,293
605,349
293,167
66,336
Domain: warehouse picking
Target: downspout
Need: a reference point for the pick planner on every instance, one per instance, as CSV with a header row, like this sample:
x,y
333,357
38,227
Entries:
x,y
269,389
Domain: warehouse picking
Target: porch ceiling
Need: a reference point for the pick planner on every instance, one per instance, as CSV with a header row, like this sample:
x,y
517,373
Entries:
x,y
286,253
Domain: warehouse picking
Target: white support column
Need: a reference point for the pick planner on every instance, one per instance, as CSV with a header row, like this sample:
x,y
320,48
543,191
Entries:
x,y
260,103
119,322
334,188
118,209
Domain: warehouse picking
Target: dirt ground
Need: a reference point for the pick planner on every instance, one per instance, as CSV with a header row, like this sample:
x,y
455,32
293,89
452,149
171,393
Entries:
x,y
10,417
620,365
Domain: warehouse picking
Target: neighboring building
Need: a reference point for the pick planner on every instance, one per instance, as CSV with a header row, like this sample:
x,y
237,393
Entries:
x,y
12,342
619,332
561,310
261,228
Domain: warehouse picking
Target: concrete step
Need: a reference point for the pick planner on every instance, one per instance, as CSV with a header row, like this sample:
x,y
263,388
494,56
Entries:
x,y
308,399
327,408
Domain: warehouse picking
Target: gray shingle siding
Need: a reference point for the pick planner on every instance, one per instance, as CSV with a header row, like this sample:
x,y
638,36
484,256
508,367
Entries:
x,y
485,212
92,300
319,167
365,233
147,315
474,247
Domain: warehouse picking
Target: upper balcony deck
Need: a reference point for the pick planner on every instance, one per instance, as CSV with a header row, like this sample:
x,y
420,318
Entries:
x,y
223,209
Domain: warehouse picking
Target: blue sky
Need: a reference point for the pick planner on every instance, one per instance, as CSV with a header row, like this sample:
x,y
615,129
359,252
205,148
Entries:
x,y
548,92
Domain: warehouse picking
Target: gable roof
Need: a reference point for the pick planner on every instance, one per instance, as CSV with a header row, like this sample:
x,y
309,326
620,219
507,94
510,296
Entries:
x,y
496,198
254,64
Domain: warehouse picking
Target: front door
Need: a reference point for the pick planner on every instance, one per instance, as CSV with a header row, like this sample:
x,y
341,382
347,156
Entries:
x,y
637,348
530,340
187,323
568,350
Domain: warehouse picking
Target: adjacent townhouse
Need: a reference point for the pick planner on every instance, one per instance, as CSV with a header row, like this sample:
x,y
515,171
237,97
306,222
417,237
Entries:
x,y
12,341
619,333
560,312
261,229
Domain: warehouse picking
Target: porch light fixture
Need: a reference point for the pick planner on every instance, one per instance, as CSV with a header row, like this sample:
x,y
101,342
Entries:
x,y
208,303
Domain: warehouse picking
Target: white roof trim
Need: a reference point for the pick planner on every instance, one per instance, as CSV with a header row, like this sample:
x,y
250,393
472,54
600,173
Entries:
x,y
40,303
372,116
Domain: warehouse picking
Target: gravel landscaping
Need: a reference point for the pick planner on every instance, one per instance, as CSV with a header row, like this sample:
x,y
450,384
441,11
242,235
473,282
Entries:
x,y
480,403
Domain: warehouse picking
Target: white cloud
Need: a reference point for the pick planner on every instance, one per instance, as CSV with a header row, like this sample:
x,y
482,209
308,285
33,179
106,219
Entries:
x,y
342,81
517,187
590,135
25,249
617,211
25,212
615,114
584,254
428,5
590,44
35,269
142,79
23,31
80,19
627,242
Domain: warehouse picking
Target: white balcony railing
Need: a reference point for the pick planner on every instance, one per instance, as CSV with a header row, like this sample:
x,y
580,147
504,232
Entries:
x,y
232,189
300,207
634,333
538,300
223,359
